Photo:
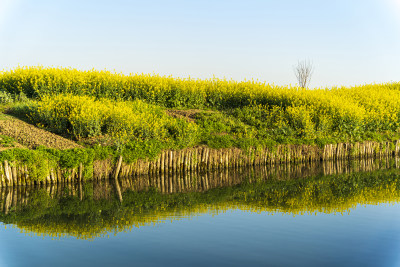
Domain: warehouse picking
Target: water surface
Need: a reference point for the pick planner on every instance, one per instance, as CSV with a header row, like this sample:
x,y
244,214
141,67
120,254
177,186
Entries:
x,y
336,214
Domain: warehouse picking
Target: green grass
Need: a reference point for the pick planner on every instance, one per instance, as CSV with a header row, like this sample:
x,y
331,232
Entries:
x,y
6,141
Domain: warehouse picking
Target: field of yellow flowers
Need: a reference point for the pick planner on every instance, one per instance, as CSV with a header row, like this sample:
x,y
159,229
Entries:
x,y
86,116
131,107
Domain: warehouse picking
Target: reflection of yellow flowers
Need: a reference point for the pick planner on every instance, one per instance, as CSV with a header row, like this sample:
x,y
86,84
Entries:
x,y
374,107
85,116
318,196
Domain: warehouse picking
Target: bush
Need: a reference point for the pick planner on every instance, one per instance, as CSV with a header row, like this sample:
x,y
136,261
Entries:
x,y
5,97
84,116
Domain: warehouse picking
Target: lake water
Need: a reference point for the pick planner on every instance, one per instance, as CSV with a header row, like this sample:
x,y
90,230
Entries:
x,y
331,214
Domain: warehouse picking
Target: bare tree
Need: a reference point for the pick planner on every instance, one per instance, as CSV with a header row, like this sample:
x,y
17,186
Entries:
x,y
304,70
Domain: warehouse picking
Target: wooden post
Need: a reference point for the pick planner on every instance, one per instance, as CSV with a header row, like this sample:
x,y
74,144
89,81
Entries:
x,y
8,174
80,172
119,163
14,175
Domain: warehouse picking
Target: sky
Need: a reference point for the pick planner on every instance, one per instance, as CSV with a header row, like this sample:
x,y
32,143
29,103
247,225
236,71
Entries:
x,y
349,42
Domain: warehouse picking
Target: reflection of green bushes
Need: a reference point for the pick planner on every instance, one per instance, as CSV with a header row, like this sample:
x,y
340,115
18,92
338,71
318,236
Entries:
x,y
90,218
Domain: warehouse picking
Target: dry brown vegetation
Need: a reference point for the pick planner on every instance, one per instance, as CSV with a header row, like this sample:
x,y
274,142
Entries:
x,y
187,114
30,136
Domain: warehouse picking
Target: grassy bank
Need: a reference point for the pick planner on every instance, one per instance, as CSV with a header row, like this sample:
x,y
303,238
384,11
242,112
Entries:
x,y
138,115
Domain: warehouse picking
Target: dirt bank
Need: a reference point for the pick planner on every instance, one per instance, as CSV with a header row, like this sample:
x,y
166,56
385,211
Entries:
x,y
31,136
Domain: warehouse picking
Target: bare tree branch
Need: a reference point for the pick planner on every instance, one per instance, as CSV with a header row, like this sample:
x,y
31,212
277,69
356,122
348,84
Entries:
x,y
303,72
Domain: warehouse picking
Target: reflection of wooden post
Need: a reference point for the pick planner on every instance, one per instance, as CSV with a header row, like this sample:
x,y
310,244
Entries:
x,y
178,175
3,180
116,178
170,182
22,198
52,190
14,197
8,199
80,192
162,178
3,197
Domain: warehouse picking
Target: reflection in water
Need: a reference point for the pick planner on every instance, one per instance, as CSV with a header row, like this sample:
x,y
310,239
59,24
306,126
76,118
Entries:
x,y
92,209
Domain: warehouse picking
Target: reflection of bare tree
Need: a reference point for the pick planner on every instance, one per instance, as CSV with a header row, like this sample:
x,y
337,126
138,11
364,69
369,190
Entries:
x,y
303,71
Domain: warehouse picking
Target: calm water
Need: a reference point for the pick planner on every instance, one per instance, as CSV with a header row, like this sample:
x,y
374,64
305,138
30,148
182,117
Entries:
x,y
337,215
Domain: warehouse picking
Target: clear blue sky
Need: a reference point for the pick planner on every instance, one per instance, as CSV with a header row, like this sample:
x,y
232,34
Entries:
x,y
349,41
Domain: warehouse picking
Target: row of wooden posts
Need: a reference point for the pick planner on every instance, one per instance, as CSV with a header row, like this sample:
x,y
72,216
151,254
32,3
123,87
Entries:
x,y
202,159
19,196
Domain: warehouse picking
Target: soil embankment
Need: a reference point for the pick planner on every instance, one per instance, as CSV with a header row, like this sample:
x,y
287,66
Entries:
x,y
30,136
